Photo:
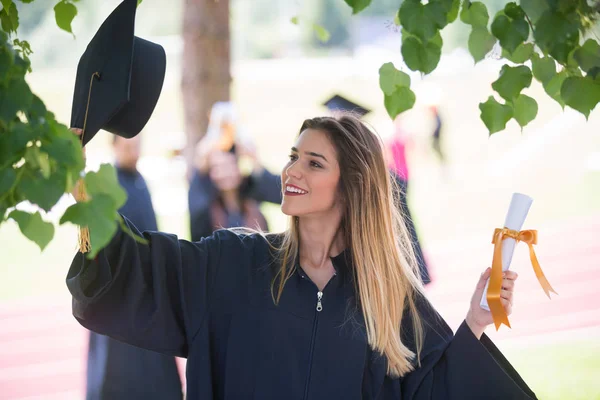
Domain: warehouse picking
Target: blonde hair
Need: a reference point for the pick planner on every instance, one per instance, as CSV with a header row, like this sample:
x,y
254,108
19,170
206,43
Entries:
x,y
383,261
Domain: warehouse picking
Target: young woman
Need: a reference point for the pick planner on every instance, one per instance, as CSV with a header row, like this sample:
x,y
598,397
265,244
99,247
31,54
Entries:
x,y
331,309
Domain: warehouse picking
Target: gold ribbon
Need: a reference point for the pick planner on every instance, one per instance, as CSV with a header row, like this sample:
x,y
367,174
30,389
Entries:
x,y
495,286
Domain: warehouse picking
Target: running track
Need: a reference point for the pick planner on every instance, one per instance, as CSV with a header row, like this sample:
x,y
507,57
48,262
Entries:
x,y
42,348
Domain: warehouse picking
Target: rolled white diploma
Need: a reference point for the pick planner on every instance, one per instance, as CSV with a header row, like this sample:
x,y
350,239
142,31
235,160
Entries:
x,y
517,212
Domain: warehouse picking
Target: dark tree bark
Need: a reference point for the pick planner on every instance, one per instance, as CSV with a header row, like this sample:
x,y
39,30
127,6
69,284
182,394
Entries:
x,y
206,75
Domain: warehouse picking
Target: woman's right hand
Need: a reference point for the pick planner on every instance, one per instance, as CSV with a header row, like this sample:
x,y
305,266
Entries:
x,y
202,154
75,192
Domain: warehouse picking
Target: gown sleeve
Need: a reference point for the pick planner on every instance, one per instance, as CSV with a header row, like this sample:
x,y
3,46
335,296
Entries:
x,y
201,195
458,366
154,295
266,187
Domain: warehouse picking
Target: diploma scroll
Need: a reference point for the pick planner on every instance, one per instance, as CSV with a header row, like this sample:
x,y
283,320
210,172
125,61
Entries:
x,y
517,212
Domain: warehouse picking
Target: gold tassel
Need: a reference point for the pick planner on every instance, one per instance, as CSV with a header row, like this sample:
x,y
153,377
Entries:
x,y
84,232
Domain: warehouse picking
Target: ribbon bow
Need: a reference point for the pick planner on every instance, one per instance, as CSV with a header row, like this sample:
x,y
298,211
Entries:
x,y
495,286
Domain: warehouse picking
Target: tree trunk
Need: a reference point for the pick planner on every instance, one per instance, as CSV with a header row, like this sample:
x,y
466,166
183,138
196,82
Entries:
x,y
205,66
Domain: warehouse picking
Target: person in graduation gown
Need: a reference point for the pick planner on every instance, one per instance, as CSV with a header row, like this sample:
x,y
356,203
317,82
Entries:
x,y
116,370
332,308
220,194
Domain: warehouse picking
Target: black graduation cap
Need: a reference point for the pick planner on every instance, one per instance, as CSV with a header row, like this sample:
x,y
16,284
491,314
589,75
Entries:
x,y
339,103
119,78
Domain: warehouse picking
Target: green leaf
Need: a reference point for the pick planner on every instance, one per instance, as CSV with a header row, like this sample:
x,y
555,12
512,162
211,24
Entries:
x,y
8,177
43,192
556,35
390,78
400,100
36,111
45,167
481,43
582,94
294,20
64,13
321,33
475,14
420,58
495,115
99,215
23,46
534,8
358,5
451,8
63,146
9,18
14,142
105,182
513,11
32,156
6,5
525,109
34,227
510,33
138,2
423,21
7,58
16,97
552,87
521,53
511,81
31,1
544,68
453,11
588,55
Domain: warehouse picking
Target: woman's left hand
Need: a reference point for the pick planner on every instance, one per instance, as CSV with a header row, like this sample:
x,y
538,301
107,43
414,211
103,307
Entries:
x,y
478,318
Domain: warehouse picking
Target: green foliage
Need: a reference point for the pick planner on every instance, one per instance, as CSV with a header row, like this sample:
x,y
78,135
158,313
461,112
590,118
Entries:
x,y
525,109
541,38
34,227
358,5
511,81
396,88
64,12
40,158
510,27
495,115
100,213
581,93
322,34
481,41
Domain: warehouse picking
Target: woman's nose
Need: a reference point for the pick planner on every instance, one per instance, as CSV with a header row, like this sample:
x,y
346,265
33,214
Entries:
x,y
293,171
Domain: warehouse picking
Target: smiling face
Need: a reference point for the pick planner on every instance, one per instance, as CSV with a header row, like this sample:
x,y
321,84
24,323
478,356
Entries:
x,y
310,180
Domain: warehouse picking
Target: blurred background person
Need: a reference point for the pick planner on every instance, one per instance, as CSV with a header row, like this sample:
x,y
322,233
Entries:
x,y
117,370
228,182
436,137
397,150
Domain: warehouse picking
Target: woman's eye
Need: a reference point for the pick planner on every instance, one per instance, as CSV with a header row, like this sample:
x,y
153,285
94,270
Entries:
x,y
293,157
315,164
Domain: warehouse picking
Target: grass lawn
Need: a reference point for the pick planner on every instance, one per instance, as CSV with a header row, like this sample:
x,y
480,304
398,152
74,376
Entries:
x,y
562,371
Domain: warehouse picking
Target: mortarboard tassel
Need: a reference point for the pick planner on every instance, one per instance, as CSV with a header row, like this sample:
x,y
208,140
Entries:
x,y
84,232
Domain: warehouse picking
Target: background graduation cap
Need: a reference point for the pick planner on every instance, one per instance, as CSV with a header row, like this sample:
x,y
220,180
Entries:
x,y
119,78
339,103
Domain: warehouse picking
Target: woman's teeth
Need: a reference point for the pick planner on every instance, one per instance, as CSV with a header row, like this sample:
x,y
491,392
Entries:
x,y
295,190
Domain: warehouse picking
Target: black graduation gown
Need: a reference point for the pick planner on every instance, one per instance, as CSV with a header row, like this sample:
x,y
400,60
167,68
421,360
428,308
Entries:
x,y
210,301
117,370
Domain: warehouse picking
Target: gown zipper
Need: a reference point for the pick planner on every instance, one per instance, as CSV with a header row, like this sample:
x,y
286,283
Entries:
x,y
318,309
